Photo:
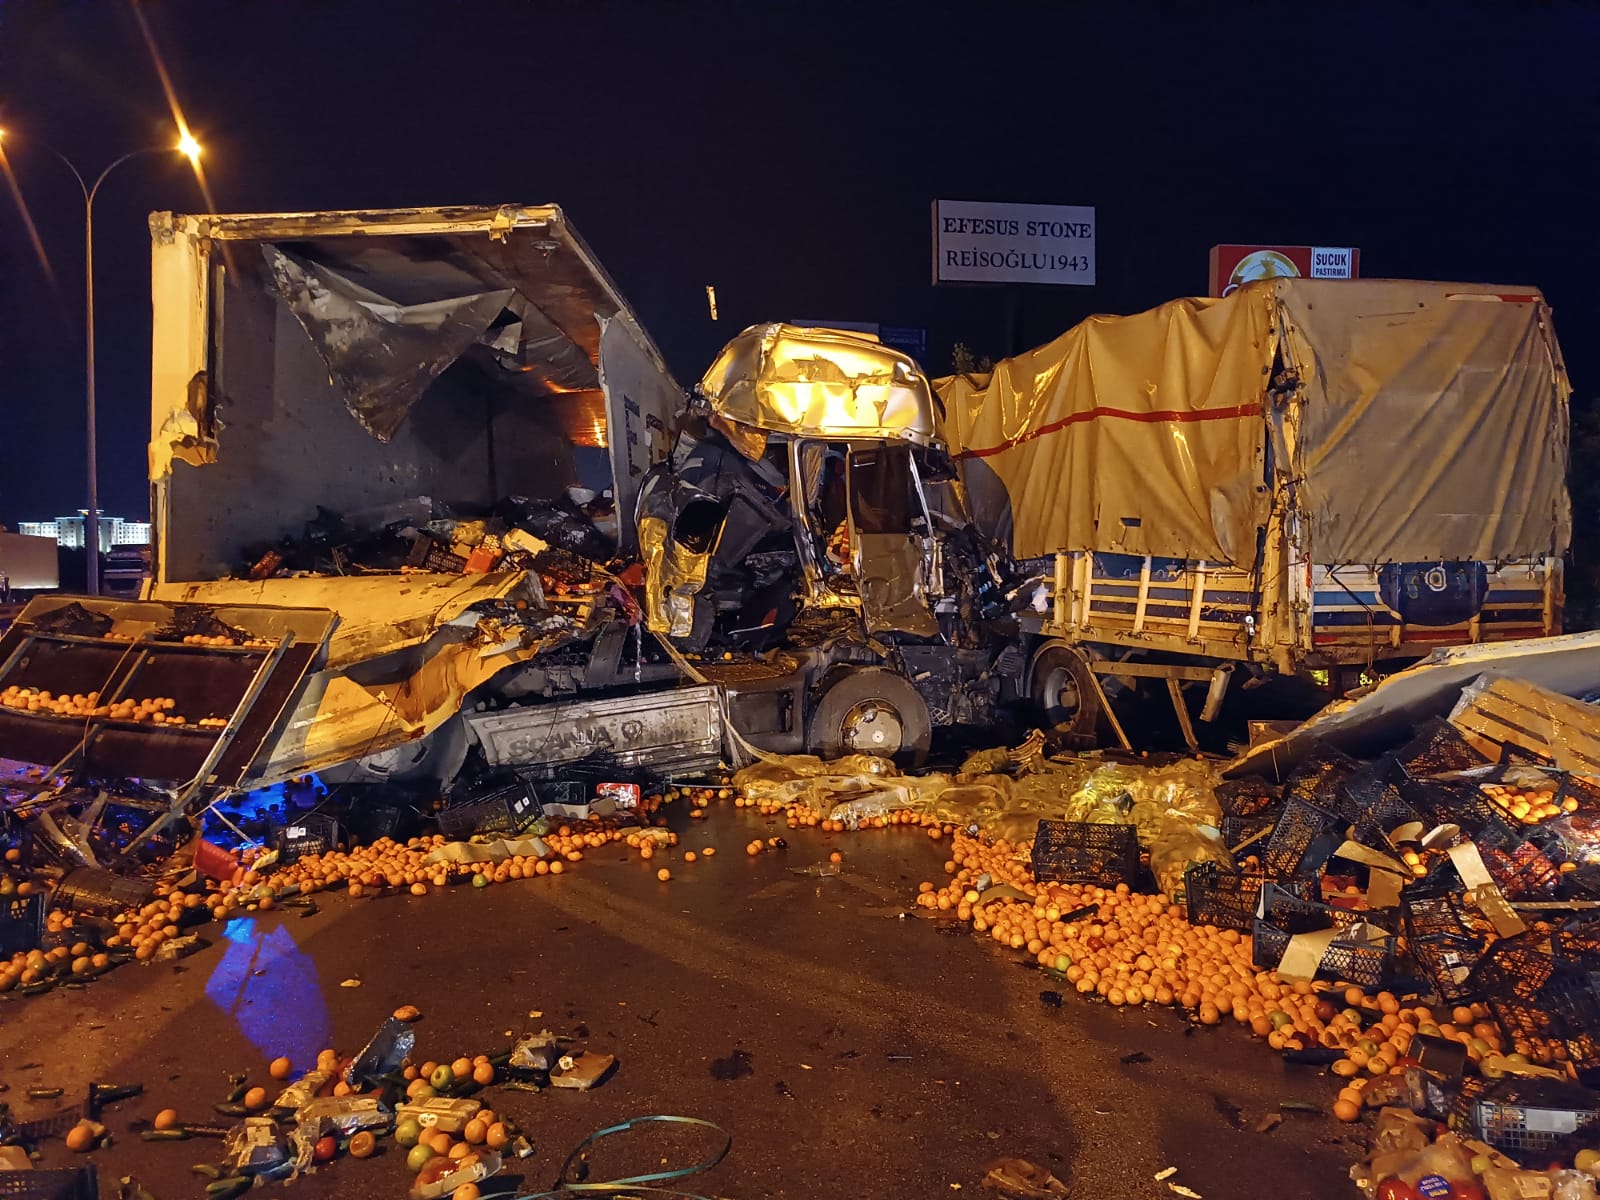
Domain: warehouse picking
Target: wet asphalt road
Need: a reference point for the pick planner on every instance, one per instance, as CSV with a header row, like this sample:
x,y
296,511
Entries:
x,y
886,1058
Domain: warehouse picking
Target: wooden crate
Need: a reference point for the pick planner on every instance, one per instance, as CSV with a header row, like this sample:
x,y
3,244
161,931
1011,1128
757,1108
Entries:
x,y
1504,718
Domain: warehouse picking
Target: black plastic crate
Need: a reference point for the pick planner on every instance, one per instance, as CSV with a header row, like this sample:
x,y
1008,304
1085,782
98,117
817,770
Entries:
x,y
1576,943
1248,797
1229,899
1375,810
91,890
1446,942
68,1183
302,836
505,808
1585,791
1526,865
1369,963
1528,1118
1457,802
1082,852
1516,967
1573,997
1511,977
1437,747
1317,779
1368,783
1305,837
21,924
574,792
368,823
1237,831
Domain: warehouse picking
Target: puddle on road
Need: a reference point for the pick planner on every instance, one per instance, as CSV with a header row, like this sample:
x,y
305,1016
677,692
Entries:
x,y
281,1011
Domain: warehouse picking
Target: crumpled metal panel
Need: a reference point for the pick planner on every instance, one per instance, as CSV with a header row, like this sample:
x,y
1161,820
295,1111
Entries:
x,y
890,575
378,614
535,345
337,718
673,577
382,355
821,383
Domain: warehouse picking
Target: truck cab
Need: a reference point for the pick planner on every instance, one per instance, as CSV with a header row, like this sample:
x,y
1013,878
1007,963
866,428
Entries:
x,y
811,476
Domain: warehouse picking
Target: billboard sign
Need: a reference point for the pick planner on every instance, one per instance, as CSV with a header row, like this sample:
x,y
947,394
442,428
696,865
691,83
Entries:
x,y
1234,265
980,242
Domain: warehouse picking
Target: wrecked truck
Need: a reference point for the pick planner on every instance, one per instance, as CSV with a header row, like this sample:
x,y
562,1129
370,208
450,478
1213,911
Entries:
x,y
808,541
388,455
1306,478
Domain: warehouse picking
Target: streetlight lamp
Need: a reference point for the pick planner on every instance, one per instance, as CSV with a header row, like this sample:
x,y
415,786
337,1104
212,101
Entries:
x,y
190,149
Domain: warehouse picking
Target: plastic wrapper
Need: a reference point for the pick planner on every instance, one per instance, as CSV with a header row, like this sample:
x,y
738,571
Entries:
x,y
1144,795
255,1146
766,778
302,1091
1437,1166
1580,833
383,1055
487,1164
1181,843
534,1054
859,787
343,1115
985,762
1573,1185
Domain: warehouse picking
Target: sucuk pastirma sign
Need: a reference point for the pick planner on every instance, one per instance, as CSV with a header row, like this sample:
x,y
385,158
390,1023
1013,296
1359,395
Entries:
x,y
1232,266
979,242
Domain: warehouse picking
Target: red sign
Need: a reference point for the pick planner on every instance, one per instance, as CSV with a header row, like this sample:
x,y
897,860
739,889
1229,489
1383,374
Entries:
x,y
1234,265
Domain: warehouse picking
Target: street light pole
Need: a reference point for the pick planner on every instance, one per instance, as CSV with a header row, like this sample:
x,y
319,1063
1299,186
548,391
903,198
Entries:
x,y
190,149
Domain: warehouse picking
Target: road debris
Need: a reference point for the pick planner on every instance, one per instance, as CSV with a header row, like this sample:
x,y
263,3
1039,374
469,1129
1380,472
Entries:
x,y
1023,1179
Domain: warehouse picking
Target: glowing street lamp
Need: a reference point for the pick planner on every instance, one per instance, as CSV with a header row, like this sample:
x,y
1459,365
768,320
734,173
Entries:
x,y
190,149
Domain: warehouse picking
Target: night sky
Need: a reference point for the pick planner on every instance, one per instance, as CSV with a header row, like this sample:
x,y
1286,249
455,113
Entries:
x,y
788,154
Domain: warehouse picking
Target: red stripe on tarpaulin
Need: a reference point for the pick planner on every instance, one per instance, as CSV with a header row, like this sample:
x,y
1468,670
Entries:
x,y
1186,416
1507,297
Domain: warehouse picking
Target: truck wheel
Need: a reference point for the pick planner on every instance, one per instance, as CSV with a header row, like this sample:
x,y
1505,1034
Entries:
x,y
1064,694
871,711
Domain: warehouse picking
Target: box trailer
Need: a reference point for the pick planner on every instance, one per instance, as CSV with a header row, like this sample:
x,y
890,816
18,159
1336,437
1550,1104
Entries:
x,y
388,457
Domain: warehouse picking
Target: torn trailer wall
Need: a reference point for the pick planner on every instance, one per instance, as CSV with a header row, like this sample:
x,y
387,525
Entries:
x,y
1420,421
486,345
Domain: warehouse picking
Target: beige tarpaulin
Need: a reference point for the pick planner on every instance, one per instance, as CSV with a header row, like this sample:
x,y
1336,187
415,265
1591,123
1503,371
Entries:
x,y
1135,435
1434,423
1429,424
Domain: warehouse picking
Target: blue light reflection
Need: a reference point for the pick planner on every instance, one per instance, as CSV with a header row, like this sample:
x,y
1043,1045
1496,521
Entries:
x,y
282,1011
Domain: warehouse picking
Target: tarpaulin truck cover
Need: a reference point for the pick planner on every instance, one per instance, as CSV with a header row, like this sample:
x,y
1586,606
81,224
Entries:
x,y
1429,421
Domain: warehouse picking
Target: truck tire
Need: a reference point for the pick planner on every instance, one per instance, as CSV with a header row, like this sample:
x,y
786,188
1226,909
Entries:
x,y
871,710
1064,697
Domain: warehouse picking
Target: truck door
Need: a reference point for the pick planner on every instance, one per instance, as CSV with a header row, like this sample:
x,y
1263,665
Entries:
x,y
888,525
